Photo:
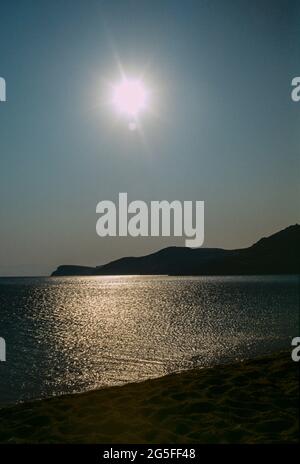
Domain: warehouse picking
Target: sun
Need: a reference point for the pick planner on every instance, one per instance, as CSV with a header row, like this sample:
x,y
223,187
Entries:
x,y
130,97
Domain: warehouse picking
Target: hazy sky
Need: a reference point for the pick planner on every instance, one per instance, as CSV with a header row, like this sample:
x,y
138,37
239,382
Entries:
x,y
225,129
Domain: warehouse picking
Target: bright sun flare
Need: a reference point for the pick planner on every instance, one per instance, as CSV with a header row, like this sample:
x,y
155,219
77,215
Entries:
x,y
130,97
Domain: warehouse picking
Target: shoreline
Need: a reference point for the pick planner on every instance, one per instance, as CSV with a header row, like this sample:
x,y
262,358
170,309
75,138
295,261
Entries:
x,y
254,401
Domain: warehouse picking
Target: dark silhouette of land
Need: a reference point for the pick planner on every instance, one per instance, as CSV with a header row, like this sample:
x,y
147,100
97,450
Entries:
x,y
277,254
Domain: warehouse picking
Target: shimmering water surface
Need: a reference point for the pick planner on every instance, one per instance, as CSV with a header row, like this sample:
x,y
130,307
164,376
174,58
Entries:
x,y
74,334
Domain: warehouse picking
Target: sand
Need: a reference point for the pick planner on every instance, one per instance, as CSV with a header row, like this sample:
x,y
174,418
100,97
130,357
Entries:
x,y
251,402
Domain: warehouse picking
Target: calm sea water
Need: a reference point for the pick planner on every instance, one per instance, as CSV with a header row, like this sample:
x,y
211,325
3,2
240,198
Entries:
x,y
74,334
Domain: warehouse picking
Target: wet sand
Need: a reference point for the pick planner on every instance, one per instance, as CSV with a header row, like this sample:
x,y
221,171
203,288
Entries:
x,y
251,402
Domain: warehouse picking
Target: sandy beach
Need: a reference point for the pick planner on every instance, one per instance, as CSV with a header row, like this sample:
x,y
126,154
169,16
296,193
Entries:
x,y
255,401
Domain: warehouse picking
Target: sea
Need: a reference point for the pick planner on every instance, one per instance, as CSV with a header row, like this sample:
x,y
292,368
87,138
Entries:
x,y
74,334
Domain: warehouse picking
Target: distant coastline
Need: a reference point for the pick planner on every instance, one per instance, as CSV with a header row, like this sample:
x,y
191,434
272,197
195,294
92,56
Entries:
x,y
277,254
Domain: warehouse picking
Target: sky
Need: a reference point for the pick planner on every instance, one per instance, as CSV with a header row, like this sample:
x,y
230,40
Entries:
x,y
222,127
